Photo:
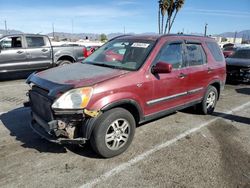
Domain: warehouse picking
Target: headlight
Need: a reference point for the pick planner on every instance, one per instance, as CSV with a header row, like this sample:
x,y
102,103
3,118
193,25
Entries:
x,y
74,99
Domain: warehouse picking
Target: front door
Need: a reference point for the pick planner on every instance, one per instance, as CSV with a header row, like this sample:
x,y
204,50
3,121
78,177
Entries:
x,y
12,54
170,89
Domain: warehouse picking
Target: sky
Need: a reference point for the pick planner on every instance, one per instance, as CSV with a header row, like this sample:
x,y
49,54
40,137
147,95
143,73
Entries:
x,y
112,16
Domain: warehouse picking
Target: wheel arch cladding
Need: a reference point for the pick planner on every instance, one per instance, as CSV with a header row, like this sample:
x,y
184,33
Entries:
x,y
66,57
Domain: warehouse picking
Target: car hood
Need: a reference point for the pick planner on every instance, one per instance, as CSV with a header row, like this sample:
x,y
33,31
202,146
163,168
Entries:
x,y
61,79
238,62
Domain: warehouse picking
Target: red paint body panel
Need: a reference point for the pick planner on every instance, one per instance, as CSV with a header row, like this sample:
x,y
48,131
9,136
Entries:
x,y
142,86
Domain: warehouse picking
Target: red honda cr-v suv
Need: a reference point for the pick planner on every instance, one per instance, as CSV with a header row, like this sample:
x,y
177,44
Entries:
x,y
104,98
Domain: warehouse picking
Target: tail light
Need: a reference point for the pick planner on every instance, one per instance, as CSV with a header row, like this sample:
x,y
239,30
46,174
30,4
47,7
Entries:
x,y
85,52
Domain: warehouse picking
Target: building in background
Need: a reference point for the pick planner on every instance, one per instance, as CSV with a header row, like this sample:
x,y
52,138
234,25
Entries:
x,y
226,40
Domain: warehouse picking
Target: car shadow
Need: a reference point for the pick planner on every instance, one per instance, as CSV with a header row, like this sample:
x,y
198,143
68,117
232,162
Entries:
x,y
245,91
15,76
17,122
235,118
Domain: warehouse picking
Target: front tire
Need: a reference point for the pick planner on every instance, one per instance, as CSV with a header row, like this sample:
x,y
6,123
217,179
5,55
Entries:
x,y
63,62
113,132
209,101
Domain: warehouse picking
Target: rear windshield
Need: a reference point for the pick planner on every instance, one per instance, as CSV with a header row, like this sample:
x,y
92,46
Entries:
x,y
242,54
127,54
215,51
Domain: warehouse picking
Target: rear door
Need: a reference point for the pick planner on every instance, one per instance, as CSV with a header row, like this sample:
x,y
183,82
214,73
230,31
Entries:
x,y
170,89
12,54
39,51
197,68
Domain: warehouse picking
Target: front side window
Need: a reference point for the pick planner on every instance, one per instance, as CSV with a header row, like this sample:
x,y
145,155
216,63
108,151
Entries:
x,y
35,41
11,42
127,54
195,54
172,54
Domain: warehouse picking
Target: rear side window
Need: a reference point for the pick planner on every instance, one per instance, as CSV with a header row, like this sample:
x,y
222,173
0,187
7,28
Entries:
x,y
215,51
172,54
195,54
35,41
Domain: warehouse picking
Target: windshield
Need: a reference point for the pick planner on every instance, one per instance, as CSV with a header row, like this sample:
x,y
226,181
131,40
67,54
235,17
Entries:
x,y
127,54
242,54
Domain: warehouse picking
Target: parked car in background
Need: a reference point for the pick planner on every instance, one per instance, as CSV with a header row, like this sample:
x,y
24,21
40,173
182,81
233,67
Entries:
x,y
103,99
23,52
91,49
228,51
238,66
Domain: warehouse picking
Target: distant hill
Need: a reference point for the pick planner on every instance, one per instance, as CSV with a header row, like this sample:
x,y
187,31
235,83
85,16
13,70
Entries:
x,y
3,32
93,36
242,34
62,35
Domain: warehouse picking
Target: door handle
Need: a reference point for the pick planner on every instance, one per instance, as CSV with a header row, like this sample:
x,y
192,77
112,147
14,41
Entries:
x,y
19,52
209,70
182,75
44,50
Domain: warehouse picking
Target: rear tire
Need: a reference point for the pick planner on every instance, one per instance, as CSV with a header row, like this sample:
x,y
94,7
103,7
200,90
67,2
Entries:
x,y
209,101
63,62
113,132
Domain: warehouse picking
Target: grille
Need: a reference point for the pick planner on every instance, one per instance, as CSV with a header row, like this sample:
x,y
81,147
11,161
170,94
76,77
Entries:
x,y
41,104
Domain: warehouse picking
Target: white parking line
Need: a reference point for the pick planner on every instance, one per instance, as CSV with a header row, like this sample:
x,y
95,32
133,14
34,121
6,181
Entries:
x,y
144,155
13,85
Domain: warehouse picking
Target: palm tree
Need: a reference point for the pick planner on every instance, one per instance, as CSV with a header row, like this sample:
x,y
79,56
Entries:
x,y
170,10
163,5
178,5
159,15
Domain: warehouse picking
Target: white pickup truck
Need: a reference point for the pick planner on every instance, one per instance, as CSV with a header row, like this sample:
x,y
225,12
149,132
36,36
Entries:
x,y
23,52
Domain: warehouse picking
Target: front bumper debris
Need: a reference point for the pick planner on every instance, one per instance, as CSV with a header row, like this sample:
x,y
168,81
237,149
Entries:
x,y
51,131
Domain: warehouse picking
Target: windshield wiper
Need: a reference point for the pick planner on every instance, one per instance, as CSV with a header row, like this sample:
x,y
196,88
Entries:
x,y
105,65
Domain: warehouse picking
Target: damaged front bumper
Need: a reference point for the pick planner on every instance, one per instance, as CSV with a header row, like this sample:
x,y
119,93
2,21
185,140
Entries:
x,y
55,131
64,130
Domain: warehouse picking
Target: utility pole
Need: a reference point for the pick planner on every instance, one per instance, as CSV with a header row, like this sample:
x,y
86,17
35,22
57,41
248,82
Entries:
x,y
235,35
5,23
205,33
53,31
124,30
72,24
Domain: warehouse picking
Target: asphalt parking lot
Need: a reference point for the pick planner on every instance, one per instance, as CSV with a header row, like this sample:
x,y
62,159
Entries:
x,y
184,149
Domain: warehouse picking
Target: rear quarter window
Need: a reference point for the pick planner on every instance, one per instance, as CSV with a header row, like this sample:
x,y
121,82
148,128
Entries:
x,y
215,51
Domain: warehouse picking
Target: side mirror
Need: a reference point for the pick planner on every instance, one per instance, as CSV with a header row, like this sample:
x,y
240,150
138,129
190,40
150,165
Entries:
x,y
162,67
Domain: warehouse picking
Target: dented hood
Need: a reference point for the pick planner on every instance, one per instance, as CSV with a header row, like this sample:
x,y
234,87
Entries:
x,y
71,76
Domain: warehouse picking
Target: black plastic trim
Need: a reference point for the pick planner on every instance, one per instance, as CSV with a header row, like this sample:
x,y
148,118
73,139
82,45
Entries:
x,y
169,111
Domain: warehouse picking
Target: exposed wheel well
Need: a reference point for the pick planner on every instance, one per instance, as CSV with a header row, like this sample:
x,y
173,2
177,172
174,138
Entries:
x,y
217,86
133,110
68,58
